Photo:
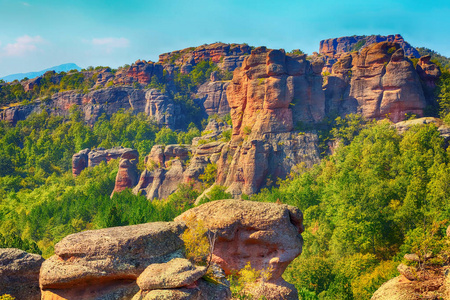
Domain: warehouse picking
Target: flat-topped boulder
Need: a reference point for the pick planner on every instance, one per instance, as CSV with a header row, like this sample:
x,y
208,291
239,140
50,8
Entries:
x,y
111,256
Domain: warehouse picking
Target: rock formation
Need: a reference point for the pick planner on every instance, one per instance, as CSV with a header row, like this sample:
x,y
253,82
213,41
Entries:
x,y
91,158
168,167
147,262
227,56
140,72
19,273
269,95
212,96
336,46
267,235
112,258
127,176
379,82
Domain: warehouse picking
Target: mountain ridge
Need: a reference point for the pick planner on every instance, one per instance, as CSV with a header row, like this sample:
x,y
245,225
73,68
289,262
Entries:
x,y
60,68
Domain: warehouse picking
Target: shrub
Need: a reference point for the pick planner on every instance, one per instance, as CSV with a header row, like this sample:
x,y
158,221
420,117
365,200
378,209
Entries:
x,y
195,240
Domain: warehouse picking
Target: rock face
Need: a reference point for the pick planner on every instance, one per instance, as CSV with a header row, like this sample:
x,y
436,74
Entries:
x,y
264,234
19,273
336,46
213,97
140,72
231,55
91,158
112,258
379,82
163,109
269,95
167,168
127,176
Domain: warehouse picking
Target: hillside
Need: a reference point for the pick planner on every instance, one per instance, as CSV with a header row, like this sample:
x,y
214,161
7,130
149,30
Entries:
x,y
351,139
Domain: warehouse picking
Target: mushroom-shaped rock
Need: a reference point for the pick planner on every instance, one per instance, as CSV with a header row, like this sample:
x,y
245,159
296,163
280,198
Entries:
x,y
264,234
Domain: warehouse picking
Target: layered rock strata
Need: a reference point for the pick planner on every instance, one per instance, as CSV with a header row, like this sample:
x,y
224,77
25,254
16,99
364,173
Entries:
x,y
19,273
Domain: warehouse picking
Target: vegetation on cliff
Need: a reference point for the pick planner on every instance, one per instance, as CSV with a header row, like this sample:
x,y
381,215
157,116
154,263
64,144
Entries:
x,y
362,204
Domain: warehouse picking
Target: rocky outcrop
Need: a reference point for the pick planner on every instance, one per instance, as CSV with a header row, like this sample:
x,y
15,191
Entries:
x,y
19,273
212,96
270,94
91,158
226,56
168,167
267,235
379,82
105,263
161,108
147,262
178,279
141,72
127,176
108,101
336,46
444,130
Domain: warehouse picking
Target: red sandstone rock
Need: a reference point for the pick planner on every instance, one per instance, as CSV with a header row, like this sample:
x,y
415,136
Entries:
x,y
336,46
264,234
127,176
107,262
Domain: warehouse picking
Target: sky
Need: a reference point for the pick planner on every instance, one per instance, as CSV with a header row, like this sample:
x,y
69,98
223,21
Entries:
x,y
38,34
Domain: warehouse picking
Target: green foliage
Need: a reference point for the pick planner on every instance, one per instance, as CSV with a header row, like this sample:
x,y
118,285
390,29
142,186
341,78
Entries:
x,y
209,174
366,205
217,192
345,129
7,297
359,45
243,281
296,52
184,197
443,96
196,244
166,137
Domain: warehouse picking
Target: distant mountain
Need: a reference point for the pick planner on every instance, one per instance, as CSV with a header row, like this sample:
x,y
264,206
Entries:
x,y
60,68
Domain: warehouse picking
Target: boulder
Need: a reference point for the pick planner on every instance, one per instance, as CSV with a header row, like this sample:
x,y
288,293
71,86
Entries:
x,y
19,273
113,258
178,272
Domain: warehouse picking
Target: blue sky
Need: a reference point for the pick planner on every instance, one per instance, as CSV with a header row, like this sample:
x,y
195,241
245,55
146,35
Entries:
x,y
37,34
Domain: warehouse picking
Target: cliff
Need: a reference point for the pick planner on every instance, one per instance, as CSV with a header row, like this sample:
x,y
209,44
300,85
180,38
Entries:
x,y
336,46
272,98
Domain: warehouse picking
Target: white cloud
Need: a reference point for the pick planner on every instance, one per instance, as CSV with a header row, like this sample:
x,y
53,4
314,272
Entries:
x,y
23,45
110,43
